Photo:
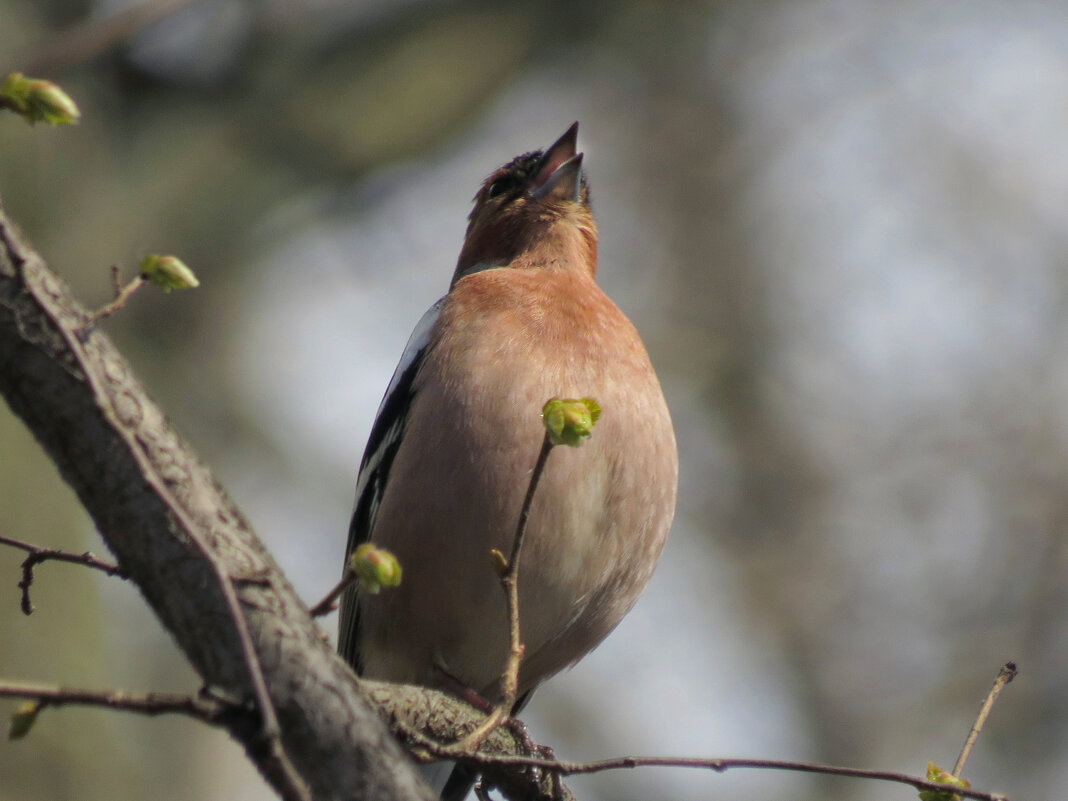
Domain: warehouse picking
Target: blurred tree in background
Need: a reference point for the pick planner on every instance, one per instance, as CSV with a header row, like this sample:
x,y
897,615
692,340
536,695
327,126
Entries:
x,y
840,227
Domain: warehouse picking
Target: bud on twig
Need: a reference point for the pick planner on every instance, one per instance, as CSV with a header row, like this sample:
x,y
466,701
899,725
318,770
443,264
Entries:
x,y
23,718
167,272
937,774
36,100
375,568
570,421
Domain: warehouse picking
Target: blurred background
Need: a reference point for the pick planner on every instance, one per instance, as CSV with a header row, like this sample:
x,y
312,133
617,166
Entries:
x,y
840,226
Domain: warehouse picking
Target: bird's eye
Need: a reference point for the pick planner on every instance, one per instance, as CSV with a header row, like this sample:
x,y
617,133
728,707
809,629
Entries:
x,y
497,187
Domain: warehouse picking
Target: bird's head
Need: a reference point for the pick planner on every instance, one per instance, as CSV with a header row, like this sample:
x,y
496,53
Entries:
x,y
533,212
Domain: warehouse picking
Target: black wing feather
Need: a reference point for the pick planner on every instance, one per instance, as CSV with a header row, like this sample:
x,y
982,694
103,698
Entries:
x,y
382,446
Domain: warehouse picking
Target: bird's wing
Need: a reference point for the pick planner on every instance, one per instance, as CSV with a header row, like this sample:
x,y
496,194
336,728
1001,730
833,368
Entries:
x,y
382,445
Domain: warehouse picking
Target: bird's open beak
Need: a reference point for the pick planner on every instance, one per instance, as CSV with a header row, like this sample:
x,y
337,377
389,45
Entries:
x,y
559,172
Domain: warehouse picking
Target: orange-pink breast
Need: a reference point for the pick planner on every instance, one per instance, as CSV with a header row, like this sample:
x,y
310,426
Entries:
x,y
506,341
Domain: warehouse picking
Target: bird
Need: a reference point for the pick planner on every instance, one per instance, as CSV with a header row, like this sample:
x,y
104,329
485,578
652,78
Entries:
x,y
451,451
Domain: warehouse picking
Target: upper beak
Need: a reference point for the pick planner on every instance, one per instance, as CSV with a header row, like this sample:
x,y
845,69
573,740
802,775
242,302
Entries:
x,y
560,170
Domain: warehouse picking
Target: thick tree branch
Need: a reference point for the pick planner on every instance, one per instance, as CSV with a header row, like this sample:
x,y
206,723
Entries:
x,y
181,539
426,718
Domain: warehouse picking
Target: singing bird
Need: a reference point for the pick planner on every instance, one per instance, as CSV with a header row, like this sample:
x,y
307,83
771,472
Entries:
x,y
454,444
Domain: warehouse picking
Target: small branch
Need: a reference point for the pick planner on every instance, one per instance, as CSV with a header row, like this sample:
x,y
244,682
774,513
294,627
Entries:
x,y
1005,675
122,294
326,606
38,555
426,717
723,765
510,585
116,280
202,706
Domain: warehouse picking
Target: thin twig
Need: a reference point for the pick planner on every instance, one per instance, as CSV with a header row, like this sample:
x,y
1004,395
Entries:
x,y
1005,675
116,279
122,294
202,706
326,606
510,584
484,760
37,555
723,765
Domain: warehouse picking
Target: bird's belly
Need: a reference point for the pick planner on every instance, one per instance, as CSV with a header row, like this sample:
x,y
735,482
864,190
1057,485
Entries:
x,y
459,631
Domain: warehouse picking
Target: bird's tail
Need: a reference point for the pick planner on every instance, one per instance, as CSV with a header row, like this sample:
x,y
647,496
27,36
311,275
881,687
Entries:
x,y
450,780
